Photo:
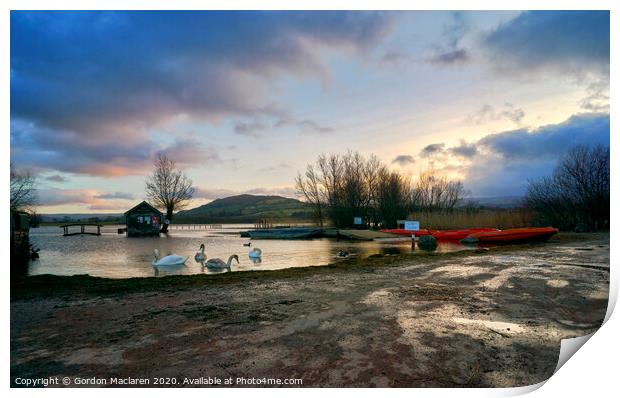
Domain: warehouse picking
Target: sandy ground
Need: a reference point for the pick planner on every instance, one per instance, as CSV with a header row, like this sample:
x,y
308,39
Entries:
x,y
481,320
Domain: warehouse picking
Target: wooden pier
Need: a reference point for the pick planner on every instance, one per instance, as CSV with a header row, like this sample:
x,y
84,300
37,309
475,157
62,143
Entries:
x,y
194,227
83,231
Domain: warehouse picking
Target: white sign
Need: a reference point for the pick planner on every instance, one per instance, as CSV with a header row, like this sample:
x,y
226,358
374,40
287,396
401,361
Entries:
x,y
412,225
357,220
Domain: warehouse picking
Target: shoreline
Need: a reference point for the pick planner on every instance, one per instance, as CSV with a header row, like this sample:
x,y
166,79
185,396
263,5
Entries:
x,y
49,284
491,319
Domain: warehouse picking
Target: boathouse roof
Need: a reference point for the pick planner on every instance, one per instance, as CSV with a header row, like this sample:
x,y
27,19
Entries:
x,y
141,204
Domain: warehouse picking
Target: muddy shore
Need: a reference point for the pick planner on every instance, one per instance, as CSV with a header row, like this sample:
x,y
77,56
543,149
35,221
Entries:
x,y
488,319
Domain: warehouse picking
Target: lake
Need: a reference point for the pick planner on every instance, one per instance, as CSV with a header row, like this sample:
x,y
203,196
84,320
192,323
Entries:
x,y
113,255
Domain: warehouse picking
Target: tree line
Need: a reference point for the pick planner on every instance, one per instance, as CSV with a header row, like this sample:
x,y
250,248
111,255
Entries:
x,y
577,194
340,188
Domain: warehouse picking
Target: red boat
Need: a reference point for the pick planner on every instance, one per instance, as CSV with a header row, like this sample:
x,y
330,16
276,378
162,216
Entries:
x,y
456,235
400,231
515,235
446,235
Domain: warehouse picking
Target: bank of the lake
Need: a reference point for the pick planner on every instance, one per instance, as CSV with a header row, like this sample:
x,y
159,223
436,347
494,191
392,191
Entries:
x,y
490,318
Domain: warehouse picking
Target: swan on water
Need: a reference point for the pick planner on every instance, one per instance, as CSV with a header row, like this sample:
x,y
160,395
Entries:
x,y
169,260
201,256
255,253
219,263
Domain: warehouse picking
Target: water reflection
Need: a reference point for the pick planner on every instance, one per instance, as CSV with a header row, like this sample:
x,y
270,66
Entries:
x,y
116,256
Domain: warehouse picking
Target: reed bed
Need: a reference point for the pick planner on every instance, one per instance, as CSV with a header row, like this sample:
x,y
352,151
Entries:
x,y
472,218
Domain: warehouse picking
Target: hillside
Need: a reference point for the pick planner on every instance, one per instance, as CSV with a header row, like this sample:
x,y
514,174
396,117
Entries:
x,y
246,208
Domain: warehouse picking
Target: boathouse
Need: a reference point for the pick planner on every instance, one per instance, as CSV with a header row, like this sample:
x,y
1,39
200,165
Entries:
x,y
143,220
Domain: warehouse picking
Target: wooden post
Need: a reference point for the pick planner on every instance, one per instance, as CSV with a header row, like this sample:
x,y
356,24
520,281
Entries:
x,y
412,242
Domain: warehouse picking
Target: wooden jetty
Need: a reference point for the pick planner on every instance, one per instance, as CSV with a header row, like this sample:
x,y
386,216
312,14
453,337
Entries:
x,y
83,231
194,227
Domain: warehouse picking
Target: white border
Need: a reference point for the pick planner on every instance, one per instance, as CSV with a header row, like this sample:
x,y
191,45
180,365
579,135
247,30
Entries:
x,y
591,372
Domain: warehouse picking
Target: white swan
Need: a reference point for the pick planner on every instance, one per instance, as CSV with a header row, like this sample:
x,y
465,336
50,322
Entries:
x,y
219,263
255,253
172,259
201,256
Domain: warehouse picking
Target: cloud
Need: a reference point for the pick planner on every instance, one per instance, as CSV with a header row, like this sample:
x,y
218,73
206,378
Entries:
x,y
279,166
188,152
284,119
451,57
553,41
551,140
44,149
403,160
56,178
86,86
249,129
115,195
490,113
432,149
305,125
464,150
395,57
597,100
506,161
450,51
93,199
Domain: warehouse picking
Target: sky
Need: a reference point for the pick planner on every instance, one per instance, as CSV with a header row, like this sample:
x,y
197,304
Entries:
x,y
244,100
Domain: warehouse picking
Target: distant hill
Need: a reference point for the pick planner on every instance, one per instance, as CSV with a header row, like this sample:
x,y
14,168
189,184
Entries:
x,y
246,209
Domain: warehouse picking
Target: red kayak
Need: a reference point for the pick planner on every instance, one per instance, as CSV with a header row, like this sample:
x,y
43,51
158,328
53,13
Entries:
x,y
400,231
515,235
459,234
445,235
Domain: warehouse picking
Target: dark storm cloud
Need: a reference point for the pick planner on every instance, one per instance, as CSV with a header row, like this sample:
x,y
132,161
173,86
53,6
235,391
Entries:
x,y
403,160
549,141
570,41
506,161
96,80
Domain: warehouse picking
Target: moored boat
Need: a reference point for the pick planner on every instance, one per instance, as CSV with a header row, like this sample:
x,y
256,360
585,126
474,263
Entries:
x,y
400,231
286,233
456,235
514,235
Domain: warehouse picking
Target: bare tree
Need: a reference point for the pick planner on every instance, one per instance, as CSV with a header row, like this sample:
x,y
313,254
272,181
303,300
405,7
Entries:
x,y
434,191
168,188
312,191
341,187
392,195
577,192
22,190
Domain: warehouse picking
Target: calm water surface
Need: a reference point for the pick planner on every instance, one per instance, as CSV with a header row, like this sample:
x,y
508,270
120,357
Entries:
x,y
115,256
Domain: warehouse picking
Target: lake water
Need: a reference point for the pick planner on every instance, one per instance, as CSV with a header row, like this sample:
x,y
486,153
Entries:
x,y
113,255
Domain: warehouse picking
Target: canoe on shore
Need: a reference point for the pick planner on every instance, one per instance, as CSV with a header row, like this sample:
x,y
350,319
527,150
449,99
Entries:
x,y
441,235
400,231
286,233
515,235
456,235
